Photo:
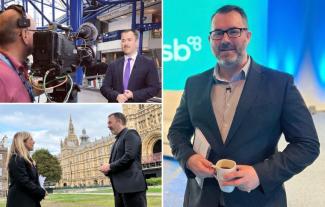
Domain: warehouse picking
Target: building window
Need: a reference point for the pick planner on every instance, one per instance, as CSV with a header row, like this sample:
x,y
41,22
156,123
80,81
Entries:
x,y
0,156
0,172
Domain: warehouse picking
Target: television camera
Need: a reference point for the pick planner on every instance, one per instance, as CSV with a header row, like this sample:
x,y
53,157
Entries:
x,y
57,54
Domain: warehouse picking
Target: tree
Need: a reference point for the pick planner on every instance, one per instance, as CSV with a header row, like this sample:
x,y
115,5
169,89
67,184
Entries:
x,y
47,165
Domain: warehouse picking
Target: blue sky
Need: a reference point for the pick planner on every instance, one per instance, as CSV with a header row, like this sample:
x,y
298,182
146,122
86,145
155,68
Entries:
x,y
48,123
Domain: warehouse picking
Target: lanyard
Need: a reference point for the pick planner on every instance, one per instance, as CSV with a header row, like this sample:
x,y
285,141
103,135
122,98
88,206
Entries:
x,y
21,76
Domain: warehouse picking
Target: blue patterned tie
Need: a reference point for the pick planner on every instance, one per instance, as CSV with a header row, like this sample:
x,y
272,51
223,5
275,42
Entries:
x,y
127,73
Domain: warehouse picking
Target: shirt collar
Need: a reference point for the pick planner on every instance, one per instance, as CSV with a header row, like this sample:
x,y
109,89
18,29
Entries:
x,y
241,75
133,56
121,132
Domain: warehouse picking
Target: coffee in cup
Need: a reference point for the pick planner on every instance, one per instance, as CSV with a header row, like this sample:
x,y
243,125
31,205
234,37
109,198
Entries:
x,y
222,167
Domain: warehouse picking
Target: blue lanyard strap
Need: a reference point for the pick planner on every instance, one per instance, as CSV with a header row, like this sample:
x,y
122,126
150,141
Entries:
x,y
26,83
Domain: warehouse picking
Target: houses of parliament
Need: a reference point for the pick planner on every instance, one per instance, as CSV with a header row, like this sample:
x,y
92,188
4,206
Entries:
x,y
80,158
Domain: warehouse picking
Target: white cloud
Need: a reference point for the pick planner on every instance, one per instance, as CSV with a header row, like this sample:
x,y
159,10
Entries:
x,y
48,123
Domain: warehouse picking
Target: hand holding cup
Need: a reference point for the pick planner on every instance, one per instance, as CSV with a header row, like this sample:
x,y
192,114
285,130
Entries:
x,y
223,167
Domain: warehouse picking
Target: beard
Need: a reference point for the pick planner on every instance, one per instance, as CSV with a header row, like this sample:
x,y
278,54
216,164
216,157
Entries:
x,y
229,55
113,131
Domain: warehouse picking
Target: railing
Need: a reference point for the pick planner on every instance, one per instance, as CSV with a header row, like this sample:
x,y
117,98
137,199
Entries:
x,y
156,157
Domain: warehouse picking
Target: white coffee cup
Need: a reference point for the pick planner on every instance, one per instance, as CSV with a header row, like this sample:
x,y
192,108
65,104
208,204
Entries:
x,y
222,167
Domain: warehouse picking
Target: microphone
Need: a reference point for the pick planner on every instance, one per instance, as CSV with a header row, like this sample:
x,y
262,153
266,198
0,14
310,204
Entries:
x,y
54,26
88,31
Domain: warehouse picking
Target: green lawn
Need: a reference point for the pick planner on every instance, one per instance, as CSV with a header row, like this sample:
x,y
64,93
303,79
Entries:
x,y
151,189
86,200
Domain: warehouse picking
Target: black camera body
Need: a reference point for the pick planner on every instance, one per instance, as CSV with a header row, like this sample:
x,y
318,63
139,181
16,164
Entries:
x,y
53,50
57,55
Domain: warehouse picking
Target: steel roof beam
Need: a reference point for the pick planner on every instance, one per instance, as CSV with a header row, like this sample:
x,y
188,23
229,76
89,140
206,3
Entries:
x,y
115,1
60,9
102,10
39,11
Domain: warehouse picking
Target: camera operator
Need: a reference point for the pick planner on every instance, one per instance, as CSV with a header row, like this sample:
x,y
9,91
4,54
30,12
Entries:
x,y
16,43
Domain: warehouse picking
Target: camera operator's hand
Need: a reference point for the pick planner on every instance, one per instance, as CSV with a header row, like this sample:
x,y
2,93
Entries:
x,y
121,98
128,94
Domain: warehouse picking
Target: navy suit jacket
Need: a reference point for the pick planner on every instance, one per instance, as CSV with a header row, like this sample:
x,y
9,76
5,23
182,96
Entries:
x,y
144,81
270,105
125,162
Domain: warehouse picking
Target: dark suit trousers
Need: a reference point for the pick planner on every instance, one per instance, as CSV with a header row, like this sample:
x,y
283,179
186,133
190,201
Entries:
x,y
137,199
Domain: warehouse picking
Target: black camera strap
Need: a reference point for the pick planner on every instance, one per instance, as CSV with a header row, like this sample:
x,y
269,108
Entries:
x,y
26,83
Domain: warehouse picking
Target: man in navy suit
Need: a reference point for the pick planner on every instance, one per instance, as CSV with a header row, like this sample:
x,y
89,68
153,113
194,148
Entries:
x,y
132,78
241,108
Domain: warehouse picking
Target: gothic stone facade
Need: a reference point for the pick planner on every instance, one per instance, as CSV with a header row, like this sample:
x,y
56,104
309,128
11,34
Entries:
x,y
3,169
80,158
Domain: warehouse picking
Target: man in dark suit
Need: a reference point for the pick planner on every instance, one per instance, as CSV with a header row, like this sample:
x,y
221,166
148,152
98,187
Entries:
x,y
124,168
241,108
132,78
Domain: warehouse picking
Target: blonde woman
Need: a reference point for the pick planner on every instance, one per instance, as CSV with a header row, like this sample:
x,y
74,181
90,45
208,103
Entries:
x,y
24,188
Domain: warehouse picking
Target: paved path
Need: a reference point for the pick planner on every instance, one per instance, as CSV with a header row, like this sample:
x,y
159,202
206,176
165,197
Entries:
x,y
91,96
85,96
